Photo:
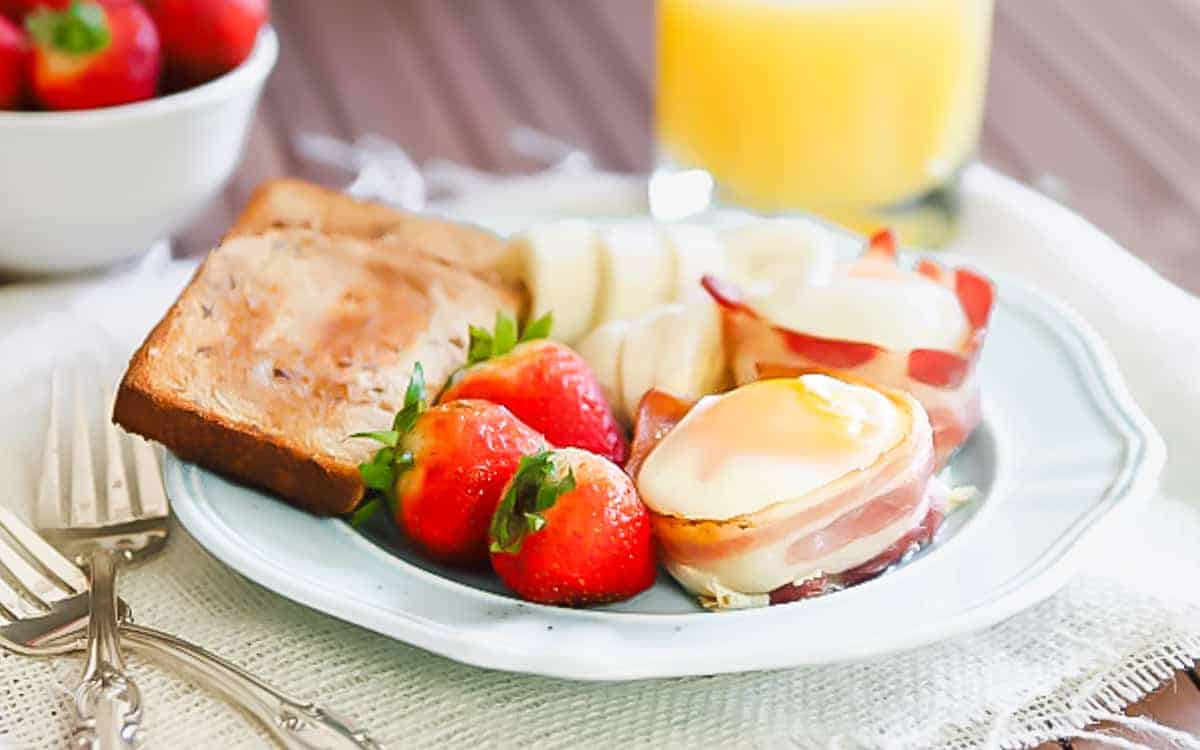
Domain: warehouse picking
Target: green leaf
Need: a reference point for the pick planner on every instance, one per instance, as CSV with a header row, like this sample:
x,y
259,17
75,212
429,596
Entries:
x,y
533,490
414,402
538,329
80,29
389,438
505,337
485,345
365,512
404,461
384,456
550,491
534,521
415,393
380,473
481,345
378,476
398,464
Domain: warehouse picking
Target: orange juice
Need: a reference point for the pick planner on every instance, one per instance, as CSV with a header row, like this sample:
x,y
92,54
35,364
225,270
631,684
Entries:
x,y
843,107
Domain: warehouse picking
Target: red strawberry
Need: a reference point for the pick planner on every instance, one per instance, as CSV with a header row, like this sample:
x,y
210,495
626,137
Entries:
x,y
14,65
18,9
94,54
443,470
205,38
571,530
550,387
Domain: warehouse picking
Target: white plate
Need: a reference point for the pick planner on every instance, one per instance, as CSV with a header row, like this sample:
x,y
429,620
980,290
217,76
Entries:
x,y
1061,448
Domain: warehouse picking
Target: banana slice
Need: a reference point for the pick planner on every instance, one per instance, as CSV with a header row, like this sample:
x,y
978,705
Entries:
x,y
691,352
602,350
637,271
642,354
792,251
561,267
697,251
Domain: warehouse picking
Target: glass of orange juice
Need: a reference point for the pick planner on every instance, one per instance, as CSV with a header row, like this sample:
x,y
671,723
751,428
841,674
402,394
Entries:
x,y
862,111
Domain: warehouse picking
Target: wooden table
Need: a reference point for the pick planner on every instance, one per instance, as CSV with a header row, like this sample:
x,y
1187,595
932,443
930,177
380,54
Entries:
x,y
1093,101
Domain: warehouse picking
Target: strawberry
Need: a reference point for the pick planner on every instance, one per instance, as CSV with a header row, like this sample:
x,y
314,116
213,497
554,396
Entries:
x,y
18,9
571,530
442,471
14,65
546,384
205,38
93,54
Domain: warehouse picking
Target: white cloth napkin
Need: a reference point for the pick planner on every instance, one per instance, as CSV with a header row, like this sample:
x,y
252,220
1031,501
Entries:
x,y
1109,637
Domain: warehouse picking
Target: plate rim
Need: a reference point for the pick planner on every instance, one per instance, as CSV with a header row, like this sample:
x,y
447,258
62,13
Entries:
x,y
1133,483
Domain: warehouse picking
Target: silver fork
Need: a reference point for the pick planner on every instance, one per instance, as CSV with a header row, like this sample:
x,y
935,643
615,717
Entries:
x,y
46,615
100,537
108,703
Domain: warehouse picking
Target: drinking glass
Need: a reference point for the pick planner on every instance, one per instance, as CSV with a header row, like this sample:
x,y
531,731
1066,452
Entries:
x,y
861,111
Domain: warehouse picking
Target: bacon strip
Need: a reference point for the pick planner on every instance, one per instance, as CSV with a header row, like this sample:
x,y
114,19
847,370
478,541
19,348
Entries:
x,y
882,244
906,545
976,295
938,368
863,521
657,413
828,352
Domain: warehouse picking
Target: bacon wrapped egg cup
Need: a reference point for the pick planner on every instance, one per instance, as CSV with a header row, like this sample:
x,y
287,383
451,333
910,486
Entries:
x,y
918,331
786,487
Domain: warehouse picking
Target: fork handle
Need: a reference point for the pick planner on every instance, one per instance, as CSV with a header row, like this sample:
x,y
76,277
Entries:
x,y
108,703
297,725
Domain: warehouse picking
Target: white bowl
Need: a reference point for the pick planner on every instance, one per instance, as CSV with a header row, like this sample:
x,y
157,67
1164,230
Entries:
x,y
84,189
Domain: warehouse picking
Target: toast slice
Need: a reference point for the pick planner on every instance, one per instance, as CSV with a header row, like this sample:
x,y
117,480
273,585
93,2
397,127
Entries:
x,y
289,202
286,342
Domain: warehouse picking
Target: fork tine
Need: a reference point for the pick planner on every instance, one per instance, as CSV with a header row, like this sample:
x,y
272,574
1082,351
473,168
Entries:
x,y
119,509
84,511
151,496
43,588
49,512
15,604
42,551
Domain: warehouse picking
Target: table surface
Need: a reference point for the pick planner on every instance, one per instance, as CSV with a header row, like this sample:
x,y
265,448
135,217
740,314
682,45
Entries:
x,y
1091,101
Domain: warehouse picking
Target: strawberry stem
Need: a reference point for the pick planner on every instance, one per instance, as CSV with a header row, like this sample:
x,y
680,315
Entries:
x,y
380,474
81,29
503,339
534,489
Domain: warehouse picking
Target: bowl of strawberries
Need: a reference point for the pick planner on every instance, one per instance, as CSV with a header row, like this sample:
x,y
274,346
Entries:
x,y
119,120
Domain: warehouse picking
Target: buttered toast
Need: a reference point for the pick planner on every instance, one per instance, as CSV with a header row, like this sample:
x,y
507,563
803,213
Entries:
x,y
286,342
289,202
